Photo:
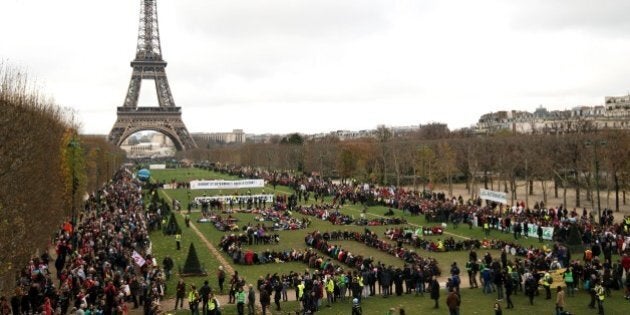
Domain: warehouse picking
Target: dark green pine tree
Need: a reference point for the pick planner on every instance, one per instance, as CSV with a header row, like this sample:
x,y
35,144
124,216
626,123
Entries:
x,y
575,237
192,267
172,227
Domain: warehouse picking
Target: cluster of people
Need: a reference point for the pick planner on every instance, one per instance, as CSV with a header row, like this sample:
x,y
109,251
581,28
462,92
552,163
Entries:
x,y
331,213
103,261
415,273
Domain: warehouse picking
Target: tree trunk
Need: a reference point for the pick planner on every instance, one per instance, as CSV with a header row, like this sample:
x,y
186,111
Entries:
x,y
543,186
485,179
415,179
616,180
564,193
450,184
555,188
577,192
531,187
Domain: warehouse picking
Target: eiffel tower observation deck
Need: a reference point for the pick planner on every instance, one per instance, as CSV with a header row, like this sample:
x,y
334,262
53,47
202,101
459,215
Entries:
x,y
149,65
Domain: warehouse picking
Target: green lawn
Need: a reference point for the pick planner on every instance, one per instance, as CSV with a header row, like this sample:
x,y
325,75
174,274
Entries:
x,y
473,301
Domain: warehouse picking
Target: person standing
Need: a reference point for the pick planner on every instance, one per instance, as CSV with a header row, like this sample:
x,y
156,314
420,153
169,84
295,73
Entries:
x,y
546,282
509,289
453,302
221,278
240,301
559,301
568,280
434,287
472,268
277,294
265,298
530,288
168,265
180,293
204,294
251,300
213,305
330,291
600,296
193,300
178,241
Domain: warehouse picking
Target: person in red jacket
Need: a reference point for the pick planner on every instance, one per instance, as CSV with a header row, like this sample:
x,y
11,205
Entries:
x,y
625,262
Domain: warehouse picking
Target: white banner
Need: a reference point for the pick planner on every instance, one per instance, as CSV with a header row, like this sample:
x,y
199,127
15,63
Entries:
x,y
495,196
227,184
532,231
157,166
267,198
138,259
169,186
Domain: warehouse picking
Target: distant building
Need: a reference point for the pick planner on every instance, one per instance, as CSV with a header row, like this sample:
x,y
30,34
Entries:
x,y
614,115
149,144
236,136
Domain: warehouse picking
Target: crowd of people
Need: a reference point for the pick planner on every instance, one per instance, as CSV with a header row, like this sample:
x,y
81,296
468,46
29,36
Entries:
x,y
103,262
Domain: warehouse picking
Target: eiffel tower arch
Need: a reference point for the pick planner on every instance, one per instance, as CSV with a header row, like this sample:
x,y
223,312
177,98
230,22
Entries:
x,y
149,65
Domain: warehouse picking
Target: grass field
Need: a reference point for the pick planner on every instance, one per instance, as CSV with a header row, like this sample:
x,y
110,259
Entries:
x,y
473,300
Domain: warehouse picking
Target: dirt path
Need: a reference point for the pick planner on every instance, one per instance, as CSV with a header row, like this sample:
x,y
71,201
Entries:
x,y
226,265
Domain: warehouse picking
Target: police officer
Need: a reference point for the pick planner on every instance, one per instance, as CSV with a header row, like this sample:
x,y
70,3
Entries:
x,y
600,295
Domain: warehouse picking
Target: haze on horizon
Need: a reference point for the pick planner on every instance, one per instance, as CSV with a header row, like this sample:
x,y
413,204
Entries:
x,y
283,66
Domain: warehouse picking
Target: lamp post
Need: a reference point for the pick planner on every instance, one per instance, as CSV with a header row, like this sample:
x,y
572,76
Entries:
x,y
73,145
596,144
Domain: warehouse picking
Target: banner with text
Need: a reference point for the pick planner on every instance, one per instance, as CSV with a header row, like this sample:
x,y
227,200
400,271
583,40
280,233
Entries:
x,y
157,166
532,231
235,199
227,184
495,196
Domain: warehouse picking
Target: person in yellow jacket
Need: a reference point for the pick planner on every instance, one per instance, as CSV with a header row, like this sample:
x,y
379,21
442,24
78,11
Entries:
x,y
330,290
193,300
601,295
178,241
546,283
300,294
213,305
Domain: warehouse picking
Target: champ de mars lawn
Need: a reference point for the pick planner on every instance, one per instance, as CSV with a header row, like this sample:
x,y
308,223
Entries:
x,y
473,300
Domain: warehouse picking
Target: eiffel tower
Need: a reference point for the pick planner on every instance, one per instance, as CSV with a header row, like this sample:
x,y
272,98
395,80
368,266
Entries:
x,y
148,64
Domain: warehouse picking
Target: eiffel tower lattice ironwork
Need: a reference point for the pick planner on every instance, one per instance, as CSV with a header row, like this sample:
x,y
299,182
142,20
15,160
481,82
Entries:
x,y
148,64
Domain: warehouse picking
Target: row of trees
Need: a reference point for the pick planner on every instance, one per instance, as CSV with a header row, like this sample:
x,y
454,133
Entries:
x,y
582,161
45,170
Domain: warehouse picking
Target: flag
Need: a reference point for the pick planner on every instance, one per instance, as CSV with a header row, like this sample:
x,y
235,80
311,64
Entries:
x,y
138,259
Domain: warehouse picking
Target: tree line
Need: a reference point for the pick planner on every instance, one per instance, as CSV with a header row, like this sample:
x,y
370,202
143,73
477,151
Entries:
x,y
550,164
46,169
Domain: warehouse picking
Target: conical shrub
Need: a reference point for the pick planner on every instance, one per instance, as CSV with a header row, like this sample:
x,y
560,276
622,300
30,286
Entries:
x,y
172,227
193,267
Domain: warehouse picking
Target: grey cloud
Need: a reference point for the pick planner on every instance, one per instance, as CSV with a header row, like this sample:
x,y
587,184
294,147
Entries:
x,y
608,17
243,19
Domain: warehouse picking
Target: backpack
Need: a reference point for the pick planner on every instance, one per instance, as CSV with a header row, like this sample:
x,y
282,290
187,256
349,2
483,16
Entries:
x,y
456,280
550,279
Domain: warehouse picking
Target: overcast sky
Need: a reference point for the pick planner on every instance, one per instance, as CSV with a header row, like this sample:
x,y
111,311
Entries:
x,y
309,66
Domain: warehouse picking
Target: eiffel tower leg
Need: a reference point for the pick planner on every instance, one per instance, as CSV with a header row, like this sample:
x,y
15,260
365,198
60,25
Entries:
x,y
165,98
133,92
